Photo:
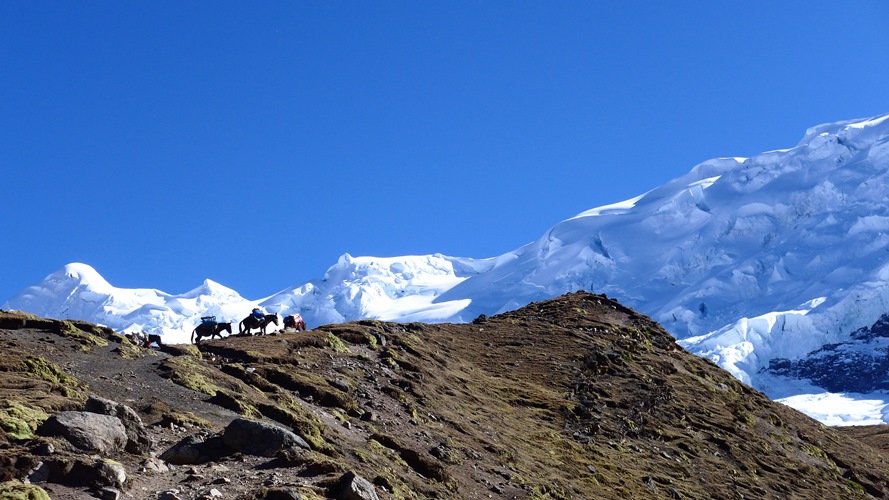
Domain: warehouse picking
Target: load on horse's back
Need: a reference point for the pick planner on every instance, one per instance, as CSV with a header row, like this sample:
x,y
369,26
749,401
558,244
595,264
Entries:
x,y
209,327
295,321
259,322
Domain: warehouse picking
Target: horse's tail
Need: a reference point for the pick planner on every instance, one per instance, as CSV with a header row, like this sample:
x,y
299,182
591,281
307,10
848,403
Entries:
x,y
192,334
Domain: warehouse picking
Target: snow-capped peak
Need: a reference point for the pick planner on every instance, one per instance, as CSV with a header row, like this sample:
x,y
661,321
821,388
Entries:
x,y
79,274
212,288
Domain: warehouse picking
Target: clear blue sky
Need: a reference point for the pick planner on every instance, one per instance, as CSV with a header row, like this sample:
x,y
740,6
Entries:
x,y
253,143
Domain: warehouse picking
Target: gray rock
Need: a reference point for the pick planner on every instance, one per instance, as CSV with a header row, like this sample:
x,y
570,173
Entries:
x,y
190,450
340,384
111,473
108,493
355,487
39,474
260,438
154,465
195,450
87,431
138,440
90,472
281,494
44,449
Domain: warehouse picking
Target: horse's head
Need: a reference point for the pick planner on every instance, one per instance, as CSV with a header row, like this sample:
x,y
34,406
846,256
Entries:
x,y
227,327
272,317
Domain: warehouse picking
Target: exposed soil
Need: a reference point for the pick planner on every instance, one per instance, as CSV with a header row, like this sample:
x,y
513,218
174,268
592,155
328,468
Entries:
x,y
577,397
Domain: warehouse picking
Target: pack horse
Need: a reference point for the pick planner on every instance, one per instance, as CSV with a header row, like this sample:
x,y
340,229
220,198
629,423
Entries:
x,y
209,327
251,322
295,321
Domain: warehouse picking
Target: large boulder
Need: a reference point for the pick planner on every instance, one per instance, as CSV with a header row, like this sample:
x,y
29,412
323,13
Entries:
x,y
355,487
138,440
86,430
195,449
81,471
260,438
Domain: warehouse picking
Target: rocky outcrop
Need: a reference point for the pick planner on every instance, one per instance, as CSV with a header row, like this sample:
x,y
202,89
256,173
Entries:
x,y
245,436
138,440
81,471
86,430
857,365
196,449
355,487
260,438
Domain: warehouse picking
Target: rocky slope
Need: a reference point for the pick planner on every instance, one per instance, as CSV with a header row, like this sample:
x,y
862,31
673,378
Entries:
x,y
575,397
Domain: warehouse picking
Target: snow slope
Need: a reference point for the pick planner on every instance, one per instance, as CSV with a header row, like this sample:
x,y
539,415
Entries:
x,y
743,260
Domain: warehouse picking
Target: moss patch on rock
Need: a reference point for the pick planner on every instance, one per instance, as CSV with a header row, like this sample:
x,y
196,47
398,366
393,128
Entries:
x,y
20,421
14,490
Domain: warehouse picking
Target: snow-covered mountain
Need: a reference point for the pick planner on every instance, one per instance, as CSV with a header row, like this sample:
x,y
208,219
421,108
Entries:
x,y
752,262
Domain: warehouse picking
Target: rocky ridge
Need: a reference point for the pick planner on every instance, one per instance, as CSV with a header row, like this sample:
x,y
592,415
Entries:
x,y
574,397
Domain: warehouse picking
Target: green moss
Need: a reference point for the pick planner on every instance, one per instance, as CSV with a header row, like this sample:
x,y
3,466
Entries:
x,y
362,456
372,341
855,488
376,447
14,490
19,421
183,350
415,414
128,350
236,403
86,339
249,377
745,417
308,384
355,334
195,382
255,356
304,493
307,425
333,342
50,372
781,438
183,419
185,371
169,415
814,451
775,420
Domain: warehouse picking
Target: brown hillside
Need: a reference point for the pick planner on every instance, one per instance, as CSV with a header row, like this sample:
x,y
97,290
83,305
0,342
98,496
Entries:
x,y
576,397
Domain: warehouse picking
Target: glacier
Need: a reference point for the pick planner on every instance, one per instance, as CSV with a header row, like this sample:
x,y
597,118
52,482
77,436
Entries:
x,y
743,260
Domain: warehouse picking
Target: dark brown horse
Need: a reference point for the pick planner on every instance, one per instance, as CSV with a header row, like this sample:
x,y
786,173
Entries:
x,y
209,330
250,322
295,321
